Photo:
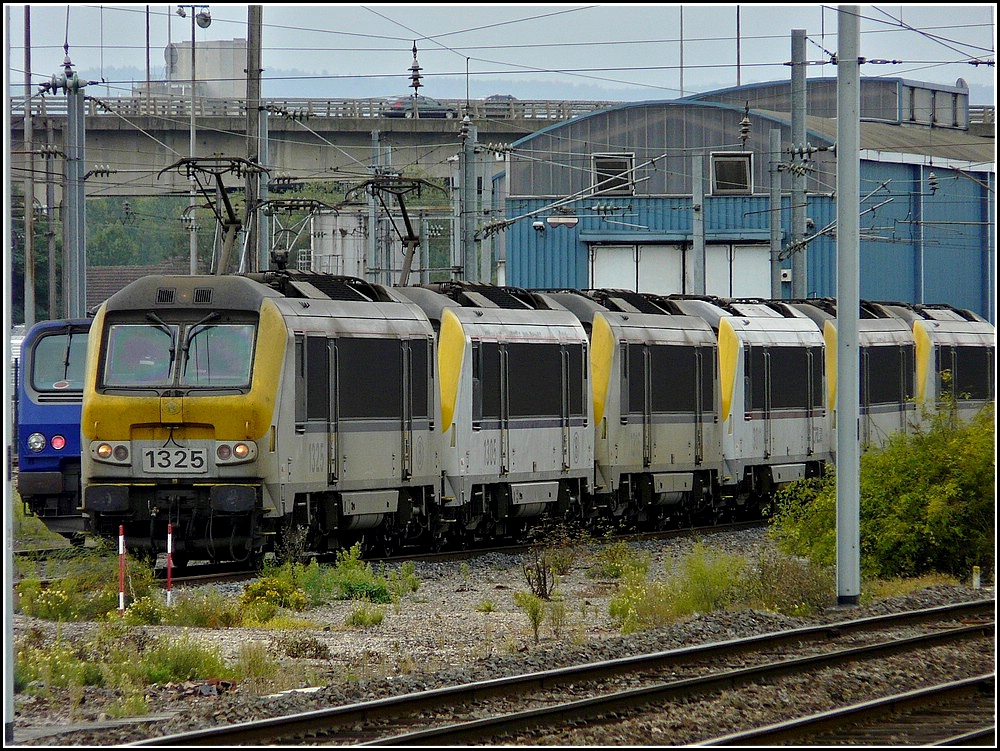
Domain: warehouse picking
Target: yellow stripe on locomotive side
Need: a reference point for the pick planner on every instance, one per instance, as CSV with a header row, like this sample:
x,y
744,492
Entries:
x,y
830,345
729,351
451,352
225,417
924,353
602,353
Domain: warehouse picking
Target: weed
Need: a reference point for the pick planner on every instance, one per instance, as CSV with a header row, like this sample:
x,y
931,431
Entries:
x,y
486,606
302,646
555,612
181,659
533,607
539,572
365,615
616,560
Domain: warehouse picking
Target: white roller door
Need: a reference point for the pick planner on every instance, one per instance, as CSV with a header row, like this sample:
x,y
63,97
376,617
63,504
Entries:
x,y
738,270
644,268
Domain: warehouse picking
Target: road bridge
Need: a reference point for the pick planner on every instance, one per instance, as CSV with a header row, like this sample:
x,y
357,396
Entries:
x,y
131,140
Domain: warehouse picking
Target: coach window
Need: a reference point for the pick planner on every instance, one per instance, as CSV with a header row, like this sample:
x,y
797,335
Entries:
x,y
623,382
887,374
300,379
379,393
420,378
613,174
490,386
971,372
477,387
317,378
535,382
576,373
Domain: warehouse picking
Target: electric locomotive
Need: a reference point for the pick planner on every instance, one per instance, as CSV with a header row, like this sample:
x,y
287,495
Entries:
x,y
516,419
235,408
955,357
887,367
49,391
658,444
775,426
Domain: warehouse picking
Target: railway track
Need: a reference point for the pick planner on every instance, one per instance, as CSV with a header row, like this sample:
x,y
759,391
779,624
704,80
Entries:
x,y
575,700
956,713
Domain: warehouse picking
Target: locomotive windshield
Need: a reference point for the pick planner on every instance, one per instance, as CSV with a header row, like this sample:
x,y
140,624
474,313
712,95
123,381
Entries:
x,y
168,355
58,361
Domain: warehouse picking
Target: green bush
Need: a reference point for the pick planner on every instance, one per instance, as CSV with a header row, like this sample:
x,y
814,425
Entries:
x,y
273,591
183,659
927,504
616,561
365,615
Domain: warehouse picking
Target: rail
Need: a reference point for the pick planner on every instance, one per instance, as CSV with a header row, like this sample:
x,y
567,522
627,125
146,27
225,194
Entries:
x,y
180,106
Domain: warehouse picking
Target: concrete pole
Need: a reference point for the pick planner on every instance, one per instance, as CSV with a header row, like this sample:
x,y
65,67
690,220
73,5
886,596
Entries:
x,y
8,487
376,157
76,214
29,181
775,213
263,220
698,286
194,190
50,222
799,257
470,261
848,305
253,180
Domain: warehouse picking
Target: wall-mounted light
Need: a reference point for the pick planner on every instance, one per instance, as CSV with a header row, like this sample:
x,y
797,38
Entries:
x,y
563,221
538,226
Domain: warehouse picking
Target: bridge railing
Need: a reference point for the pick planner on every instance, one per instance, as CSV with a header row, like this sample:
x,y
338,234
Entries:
x,y
180,106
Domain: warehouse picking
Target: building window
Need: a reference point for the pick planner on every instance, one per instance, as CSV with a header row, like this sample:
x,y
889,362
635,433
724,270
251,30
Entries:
x,y
732,173
613,174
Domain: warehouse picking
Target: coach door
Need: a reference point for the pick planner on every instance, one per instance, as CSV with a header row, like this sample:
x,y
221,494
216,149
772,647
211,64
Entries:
x,y
699,404
406,426
504,409
333,425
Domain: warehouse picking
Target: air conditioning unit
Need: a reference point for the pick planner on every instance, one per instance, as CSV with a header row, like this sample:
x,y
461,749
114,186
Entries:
x,y
786,275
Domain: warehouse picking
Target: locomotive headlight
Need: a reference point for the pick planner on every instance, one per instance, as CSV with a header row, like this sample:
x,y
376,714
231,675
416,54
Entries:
x,y
116,453
36,442
58,442
235,453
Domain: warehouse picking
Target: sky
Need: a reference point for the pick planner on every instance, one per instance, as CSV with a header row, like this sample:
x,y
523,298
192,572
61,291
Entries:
x,y
631,52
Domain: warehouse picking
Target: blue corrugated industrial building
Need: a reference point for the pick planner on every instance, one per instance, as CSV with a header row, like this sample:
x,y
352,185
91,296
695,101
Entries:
x,y
608,199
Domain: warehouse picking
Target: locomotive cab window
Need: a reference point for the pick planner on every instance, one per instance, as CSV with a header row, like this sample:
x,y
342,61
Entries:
x,y
140,355
58,361
218,355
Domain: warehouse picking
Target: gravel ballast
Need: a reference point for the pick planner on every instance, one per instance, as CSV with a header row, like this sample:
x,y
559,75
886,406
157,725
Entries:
x,y
461,625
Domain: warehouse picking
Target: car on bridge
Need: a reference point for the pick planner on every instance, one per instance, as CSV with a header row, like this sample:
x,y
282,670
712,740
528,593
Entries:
x,y
403,106
499,105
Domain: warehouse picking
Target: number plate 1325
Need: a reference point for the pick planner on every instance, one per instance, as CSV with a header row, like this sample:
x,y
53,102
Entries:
x,y
176,460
